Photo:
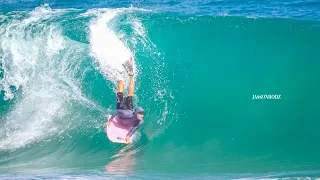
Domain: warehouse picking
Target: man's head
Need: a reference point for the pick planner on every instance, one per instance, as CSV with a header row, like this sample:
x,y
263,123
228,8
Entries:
x,y
139,112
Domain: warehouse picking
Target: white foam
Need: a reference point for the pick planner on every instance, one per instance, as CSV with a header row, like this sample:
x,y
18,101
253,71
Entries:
x,y
33,63
21,48
55,41
30,118
29,123
107,48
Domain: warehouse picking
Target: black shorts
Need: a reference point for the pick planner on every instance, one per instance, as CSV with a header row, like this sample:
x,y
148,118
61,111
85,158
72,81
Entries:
x,y
125,103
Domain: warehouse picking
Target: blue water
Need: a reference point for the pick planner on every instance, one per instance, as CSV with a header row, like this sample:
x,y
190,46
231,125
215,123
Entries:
x,y
307,10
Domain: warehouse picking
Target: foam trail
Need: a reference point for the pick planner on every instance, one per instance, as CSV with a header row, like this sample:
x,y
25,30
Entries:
x,y
106,46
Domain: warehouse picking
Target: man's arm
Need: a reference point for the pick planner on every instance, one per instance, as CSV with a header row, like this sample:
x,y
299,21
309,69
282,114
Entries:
x,y
134,128
113,115
110,119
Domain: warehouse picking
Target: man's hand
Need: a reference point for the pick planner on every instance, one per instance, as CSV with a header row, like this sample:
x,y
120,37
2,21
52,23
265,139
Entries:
x,y
108,123
128,139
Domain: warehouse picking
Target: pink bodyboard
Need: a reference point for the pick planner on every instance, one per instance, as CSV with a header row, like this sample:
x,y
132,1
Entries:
x,y
116,132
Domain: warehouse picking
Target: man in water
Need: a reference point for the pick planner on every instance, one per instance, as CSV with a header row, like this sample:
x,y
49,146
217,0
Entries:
x,y
125,112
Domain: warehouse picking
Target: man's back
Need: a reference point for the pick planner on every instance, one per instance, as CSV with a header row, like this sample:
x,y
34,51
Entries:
x,y
127,117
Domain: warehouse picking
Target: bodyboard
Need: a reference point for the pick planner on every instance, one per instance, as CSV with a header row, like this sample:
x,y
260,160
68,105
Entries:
x,y
116,132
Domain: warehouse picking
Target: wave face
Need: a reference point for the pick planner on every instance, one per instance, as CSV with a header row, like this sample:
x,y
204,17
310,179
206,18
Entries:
x,y
196,77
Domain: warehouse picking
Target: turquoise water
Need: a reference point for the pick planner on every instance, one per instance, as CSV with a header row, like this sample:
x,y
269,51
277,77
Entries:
x,y
197,73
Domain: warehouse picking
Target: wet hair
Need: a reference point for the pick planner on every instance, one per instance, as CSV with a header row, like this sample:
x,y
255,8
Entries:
x,y
138,110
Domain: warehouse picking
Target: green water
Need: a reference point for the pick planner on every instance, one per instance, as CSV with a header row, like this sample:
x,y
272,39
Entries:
x,y
216,66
